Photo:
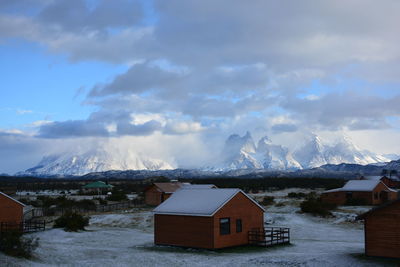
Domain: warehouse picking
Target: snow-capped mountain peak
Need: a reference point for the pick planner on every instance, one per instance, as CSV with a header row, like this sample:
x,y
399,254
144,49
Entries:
x,y
96,160
241,152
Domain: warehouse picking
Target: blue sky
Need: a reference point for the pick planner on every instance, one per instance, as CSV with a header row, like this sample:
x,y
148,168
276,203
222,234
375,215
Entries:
x,y
130,70
37,85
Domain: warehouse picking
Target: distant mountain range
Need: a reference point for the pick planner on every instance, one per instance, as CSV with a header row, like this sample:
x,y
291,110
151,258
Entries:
x,y
240,156
97,160
242,153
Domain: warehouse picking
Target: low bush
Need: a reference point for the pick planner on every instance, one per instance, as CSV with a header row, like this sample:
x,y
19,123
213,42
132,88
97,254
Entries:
x,y
72,222
117,196
86,204
268,200
296,195
14,244
316,207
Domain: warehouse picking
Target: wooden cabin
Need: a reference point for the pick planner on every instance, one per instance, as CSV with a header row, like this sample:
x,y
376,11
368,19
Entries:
x,y
207,218
382,230
392,181
367,192
159,192
11,210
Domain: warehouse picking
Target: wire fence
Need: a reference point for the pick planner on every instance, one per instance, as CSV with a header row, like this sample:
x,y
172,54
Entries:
x,y
23,227
59,211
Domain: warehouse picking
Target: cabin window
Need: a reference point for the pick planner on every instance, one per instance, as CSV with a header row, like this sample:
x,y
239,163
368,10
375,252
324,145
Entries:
x,y
376,195
349,195
238,225
224,226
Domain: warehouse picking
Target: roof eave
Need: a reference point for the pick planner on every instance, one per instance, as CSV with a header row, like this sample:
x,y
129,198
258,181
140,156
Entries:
x,y
13,199
182,214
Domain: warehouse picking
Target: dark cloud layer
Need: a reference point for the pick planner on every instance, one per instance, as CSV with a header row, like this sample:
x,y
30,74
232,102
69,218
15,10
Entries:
x,y
78,15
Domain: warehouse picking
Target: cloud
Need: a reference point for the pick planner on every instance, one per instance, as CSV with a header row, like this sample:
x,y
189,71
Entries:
x,y
77,128
79,16
139,78
183,127
146,128
337,110
201,70
279,128
23,111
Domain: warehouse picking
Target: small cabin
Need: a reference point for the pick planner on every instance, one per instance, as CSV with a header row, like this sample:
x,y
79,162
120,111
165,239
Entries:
x,y
207,218
11,210
159,192
97,187
382,230
367,192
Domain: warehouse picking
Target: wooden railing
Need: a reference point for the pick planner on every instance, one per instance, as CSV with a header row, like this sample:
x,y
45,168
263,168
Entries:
x,y
269,236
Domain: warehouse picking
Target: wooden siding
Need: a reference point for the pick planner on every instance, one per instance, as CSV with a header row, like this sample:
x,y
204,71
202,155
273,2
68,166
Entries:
x,y
184,231
239,207
338,198
382,232
10,211
153,196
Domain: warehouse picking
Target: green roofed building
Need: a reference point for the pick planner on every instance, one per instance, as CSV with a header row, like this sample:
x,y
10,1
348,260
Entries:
x,y
98,187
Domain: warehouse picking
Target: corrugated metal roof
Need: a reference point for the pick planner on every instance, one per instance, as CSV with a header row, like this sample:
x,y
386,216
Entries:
x,y
198,202
98,184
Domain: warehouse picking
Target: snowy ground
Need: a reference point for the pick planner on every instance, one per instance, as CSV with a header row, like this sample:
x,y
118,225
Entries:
x,y
126,239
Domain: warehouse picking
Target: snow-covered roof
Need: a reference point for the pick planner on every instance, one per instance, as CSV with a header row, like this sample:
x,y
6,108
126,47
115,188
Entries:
x,y
359,185
333,190
198,186
198,202
169,187
373,177
13,199
388,204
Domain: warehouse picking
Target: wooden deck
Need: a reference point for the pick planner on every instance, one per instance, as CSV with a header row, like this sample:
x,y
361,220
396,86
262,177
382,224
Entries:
x,y
269,236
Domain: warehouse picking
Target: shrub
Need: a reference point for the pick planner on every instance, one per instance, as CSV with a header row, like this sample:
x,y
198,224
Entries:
x,y
267,201
14,244
117,196
317,207
296,195
86,204
71,221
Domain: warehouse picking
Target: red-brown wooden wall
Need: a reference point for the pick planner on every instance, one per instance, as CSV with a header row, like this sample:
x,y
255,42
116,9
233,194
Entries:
x,y
10,211
382,232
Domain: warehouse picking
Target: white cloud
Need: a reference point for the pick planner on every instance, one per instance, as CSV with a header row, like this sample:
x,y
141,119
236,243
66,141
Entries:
x,y
23,111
